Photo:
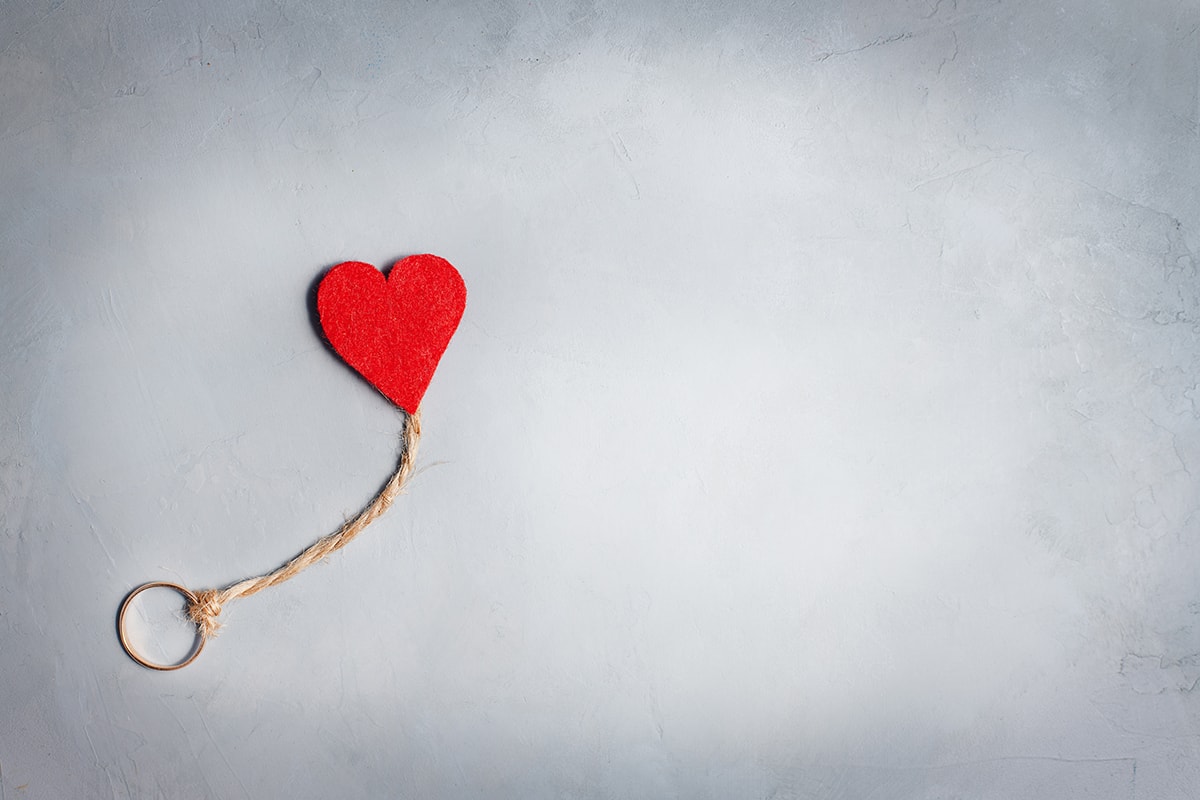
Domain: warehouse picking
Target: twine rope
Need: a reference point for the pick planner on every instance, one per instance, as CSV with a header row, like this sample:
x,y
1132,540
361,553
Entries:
x,y
207,607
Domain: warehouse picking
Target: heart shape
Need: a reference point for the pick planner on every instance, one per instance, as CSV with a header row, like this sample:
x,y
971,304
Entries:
x,y
393,330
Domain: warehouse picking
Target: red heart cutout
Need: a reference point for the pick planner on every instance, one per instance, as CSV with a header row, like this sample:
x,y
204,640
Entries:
x,y
393,330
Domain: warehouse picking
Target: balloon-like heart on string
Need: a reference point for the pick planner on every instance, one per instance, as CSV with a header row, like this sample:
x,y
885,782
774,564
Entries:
x,y
393,330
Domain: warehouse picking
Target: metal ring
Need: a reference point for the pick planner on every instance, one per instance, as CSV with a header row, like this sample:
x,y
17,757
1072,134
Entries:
x,y
188,595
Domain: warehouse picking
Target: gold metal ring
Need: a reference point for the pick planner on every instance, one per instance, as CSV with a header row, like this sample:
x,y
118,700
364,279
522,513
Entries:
x,y
191,598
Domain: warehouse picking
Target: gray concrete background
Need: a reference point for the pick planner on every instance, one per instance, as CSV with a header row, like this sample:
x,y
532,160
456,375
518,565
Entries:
x,y
824,422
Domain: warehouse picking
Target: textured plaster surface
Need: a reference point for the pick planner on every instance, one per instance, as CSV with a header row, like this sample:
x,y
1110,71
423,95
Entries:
x,y
824,422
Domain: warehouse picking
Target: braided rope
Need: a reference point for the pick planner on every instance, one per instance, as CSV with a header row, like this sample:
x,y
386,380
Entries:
x,y
208,604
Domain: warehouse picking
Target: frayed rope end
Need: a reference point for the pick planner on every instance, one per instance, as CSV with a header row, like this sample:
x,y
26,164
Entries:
x,y
204,612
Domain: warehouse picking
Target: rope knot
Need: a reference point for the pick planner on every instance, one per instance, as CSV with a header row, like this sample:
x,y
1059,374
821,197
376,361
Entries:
x,y
204,612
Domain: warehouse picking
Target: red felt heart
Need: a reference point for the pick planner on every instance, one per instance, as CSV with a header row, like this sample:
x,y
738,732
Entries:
x,y
393,330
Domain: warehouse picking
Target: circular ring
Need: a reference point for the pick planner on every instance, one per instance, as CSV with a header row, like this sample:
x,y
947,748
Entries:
x,y
187,594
